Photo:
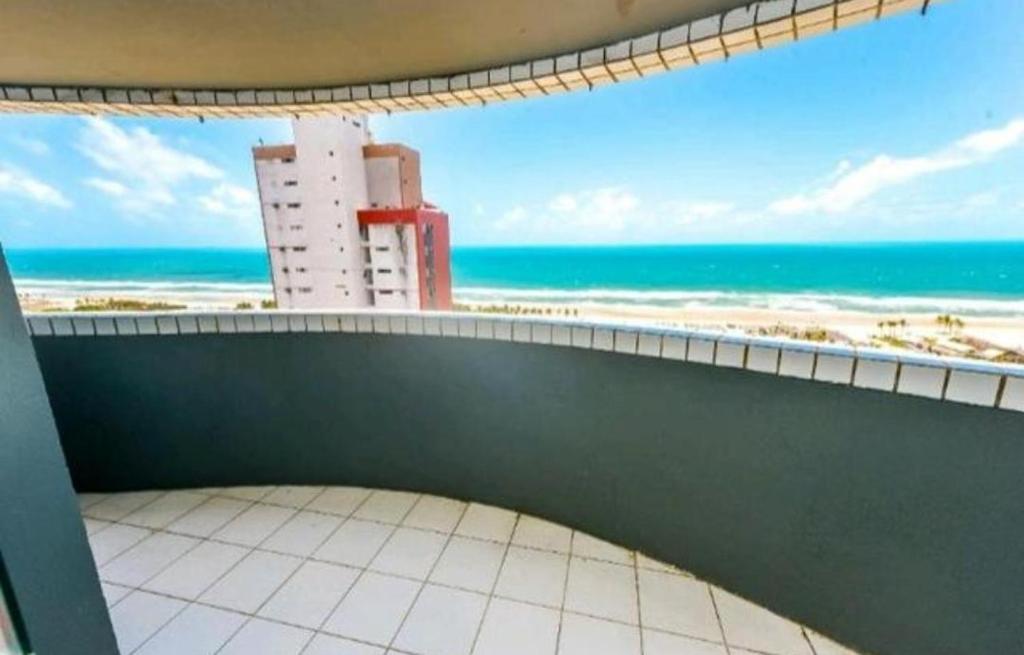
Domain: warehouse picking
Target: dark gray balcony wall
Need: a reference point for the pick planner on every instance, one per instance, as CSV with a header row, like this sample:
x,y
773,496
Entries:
x,y
892,523
48,569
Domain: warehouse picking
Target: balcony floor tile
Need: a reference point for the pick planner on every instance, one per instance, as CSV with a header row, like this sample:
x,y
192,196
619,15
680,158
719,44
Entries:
x,y
352,571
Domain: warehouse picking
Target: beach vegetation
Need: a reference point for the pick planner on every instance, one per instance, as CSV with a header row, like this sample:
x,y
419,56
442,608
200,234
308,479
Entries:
x,y
517,310
268,304
122,305
892,329
952,324
814,334
244,305
1010,357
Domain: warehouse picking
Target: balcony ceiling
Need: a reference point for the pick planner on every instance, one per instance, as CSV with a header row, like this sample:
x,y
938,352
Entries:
x,y
307,43
51,50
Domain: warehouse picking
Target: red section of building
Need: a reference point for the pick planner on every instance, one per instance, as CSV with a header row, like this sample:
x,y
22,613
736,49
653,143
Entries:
x,y
433,251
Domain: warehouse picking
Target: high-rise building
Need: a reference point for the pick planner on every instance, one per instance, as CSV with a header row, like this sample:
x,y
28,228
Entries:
x,y
346,224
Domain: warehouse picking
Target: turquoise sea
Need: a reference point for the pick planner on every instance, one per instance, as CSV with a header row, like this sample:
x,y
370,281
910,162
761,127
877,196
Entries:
x,y
968,278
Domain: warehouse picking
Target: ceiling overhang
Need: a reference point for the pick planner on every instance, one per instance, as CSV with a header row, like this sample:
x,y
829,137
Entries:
x,y
290,57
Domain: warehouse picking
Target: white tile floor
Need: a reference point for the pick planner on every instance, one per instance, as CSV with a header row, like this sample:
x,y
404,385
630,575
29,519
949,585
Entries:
x,y
345,571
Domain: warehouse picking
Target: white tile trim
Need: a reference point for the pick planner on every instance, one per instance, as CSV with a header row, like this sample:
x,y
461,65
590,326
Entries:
x,y
973,382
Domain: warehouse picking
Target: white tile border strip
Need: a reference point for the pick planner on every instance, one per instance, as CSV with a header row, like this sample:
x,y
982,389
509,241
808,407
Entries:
x,y
972,382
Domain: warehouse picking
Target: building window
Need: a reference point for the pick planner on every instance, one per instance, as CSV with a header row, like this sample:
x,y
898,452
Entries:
x,y
284,269
294,205
336,203
428,256
299,249
276,205
291,183
356,123
330,153
305,289
381,248
385,292
301,269
386,271
288,160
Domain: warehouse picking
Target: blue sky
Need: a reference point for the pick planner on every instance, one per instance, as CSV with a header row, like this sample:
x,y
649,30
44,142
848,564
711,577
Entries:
x,y
906,129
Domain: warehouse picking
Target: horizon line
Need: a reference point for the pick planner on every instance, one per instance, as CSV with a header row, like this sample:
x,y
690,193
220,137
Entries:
x,y
539,246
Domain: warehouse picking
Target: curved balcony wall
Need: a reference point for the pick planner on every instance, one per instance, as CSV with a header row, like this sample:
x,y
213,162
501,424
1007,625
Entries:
x,y
880,516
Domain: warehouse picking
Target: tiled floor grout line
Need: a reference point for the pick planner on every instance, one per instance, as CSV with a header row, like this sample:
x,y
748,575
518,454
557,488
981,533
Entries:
x,y
198,543
127,514
188,602
304,559
162,625
494,585
807,638
565,592
433,566
157,531
718,617
639,607
362,571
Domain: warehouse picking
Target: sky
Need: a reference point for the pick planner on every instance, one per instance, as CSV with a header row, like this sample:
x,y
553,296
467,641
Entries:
x,y
906,129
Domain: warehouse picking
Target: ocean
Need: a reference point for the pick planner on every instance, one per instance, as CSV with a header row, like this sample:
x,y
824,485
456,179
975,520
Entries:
x,y
963,278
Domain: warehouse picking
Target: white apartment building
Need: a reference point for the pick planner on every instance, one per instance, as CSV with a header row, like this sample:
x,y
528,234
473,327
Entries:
x,y
345,221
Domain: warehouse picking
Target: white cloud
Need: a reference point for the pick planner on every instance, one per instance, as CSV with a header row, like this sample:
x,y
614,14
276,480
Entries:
x,y
33,146
563,202
608,209
982,200
110,187
142,171
592,215
17,182
512,218
232,201
989,142
693,212
852,185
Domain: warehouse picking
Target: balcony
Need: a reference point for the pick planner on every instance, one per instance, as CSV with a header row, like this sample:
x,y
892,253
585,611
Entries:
x,y
836,487
780,471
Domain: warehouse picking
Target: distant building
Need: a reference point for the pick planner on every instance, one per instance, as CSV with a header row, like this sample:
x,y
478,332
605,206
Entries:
x,y
346,224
